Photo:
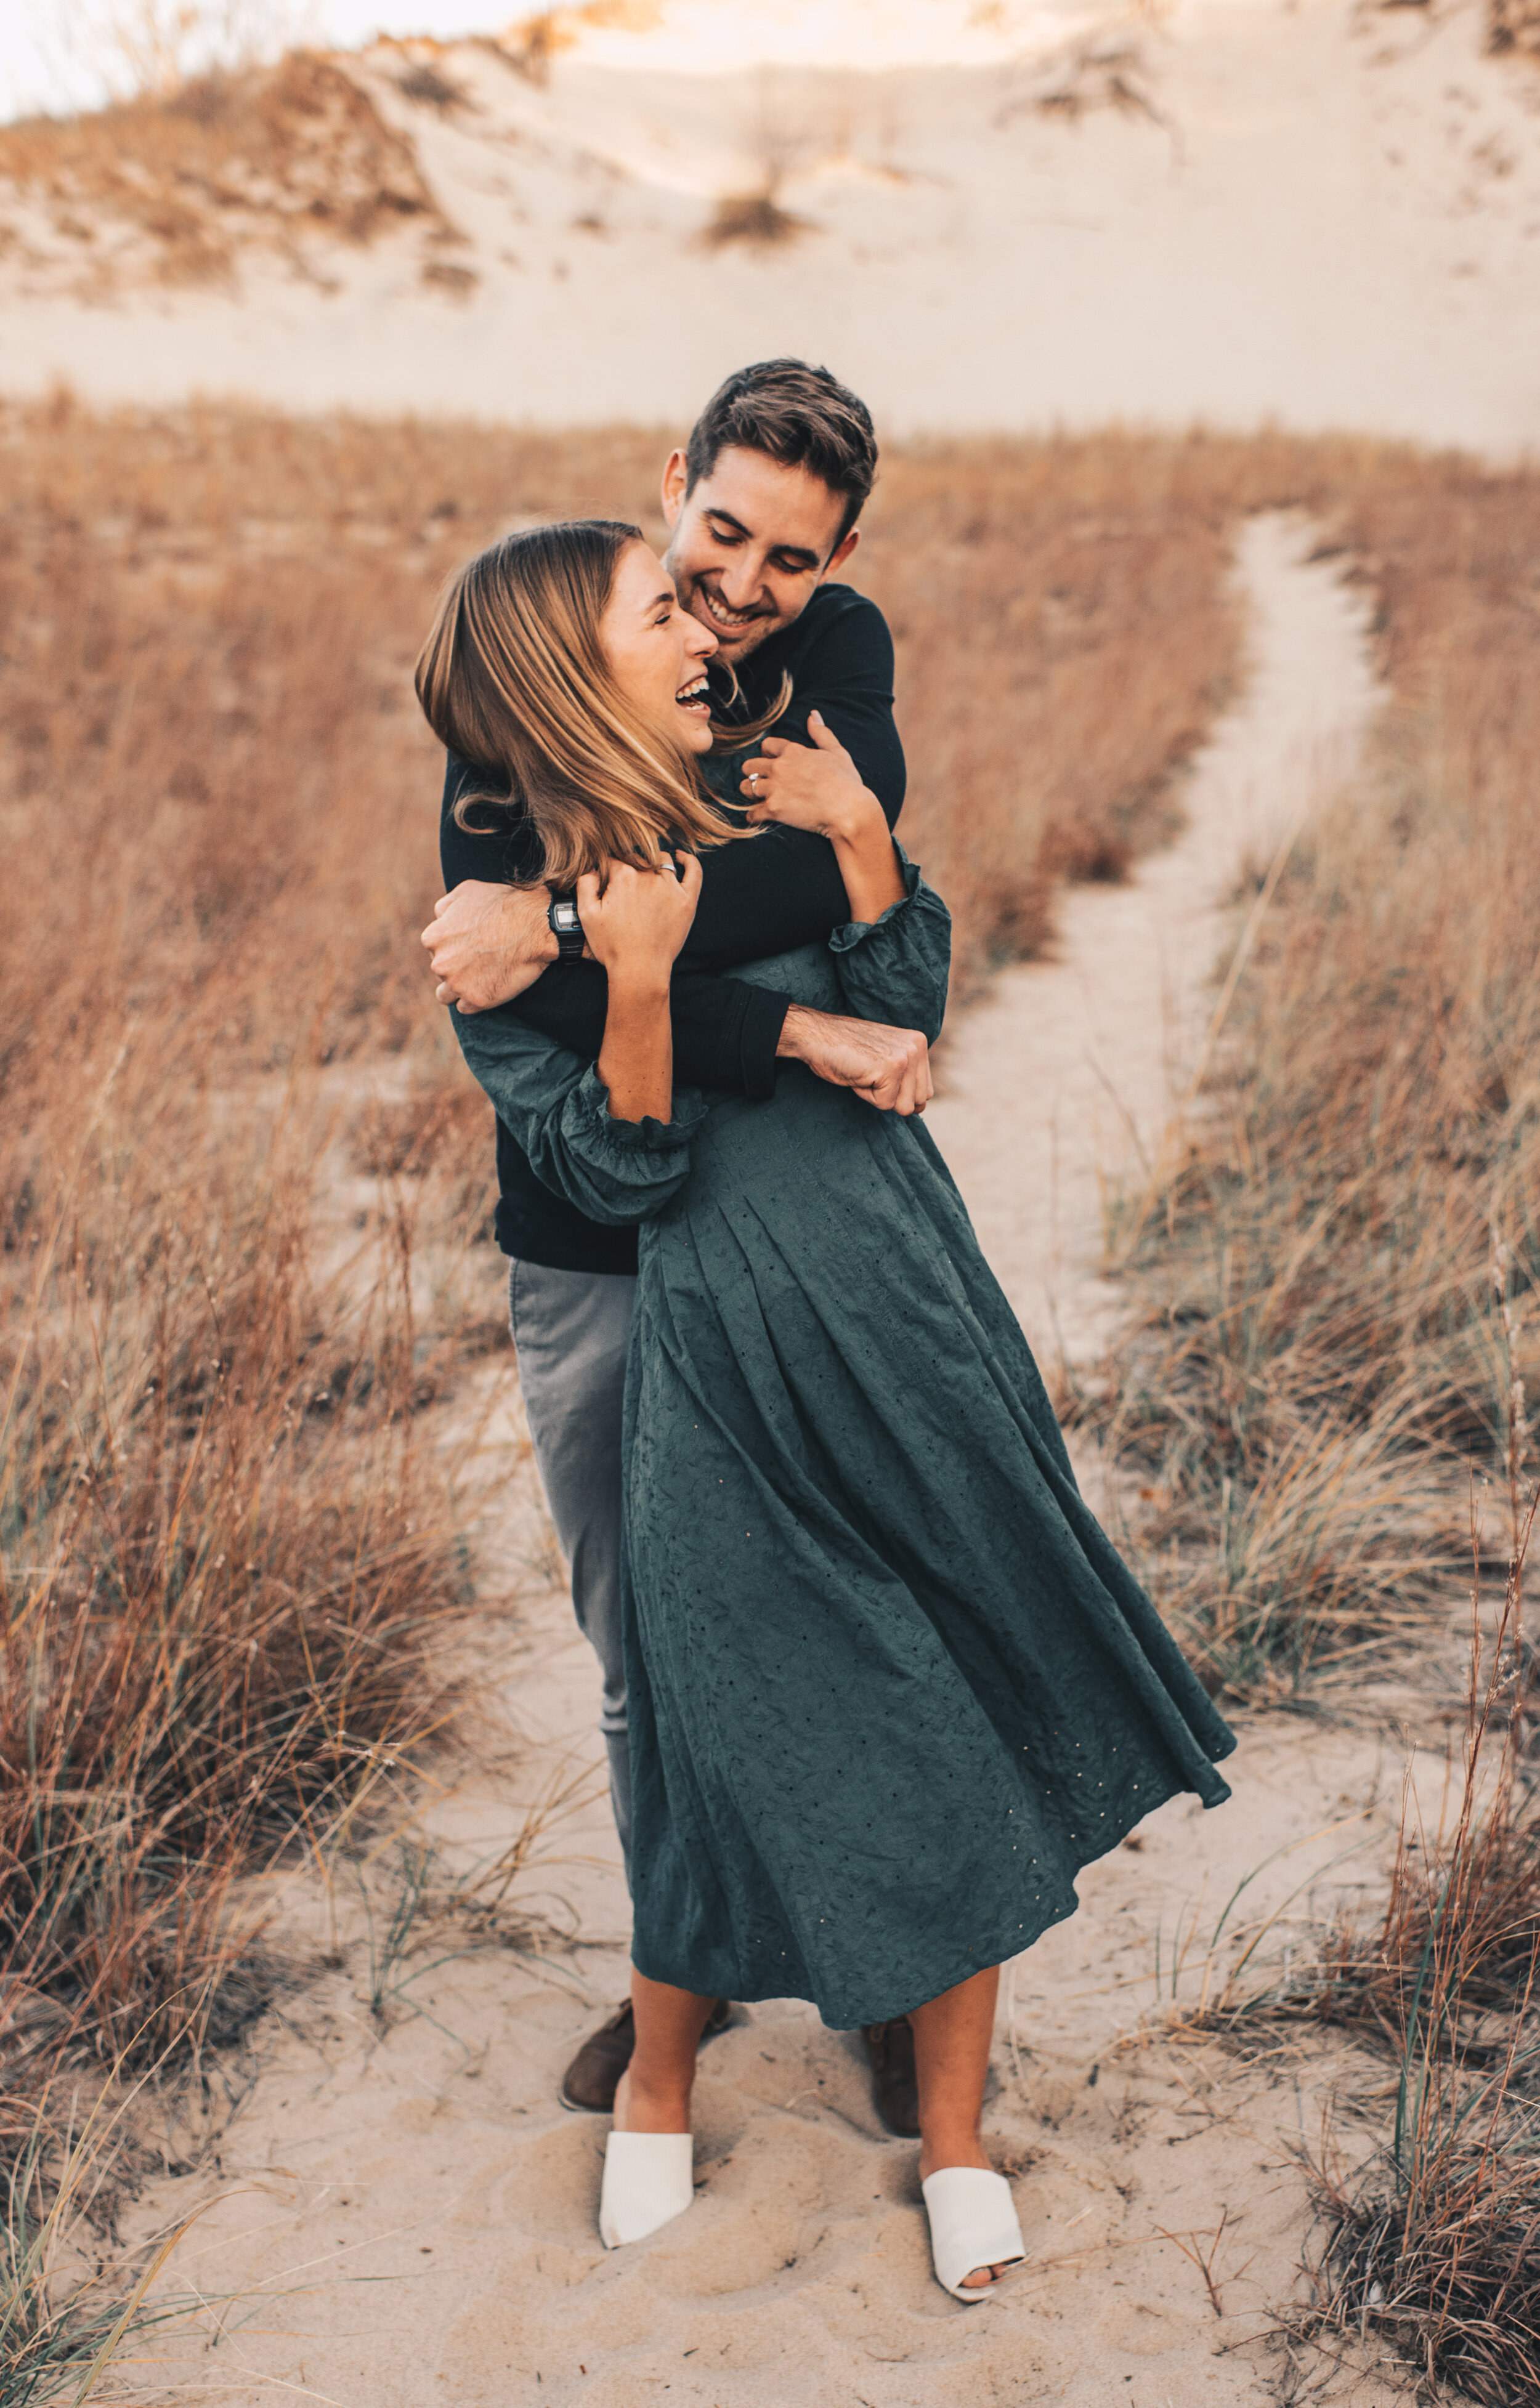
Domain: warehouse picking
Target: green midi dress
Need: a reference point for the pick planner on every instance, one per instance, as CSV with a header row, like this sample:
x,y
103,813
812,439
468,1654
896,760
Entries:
x,y
889,1684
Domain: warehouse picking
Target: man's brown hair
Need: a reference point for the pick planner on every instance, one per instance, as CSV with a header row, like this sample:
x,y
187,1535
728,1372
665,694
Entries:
x,y
801,416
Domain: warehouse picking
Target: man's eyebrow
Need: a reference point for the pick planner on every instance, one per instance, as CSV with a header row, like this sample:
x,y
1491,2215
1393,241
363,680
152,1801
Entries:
x,y
791,551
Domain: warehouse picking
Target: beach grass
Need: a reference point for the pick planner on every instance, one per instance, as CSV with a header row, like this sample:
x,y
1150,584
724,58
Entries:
x,y
1336,1259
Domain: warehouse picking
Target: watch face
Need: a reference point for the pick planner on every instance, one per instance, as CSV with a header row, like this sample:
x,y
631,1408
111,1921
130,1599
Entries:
x,y
564,917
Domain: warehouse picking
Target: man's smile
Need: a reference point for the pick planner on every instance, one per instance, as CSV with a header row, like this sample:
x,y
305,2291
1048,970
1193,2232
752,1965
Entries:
x,y
728,623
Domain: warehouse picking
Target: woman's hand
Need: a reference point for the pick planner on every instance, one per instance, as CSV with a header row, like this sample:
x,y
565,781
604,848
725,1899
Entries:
x,y
818,787
636,927
815,786
637,924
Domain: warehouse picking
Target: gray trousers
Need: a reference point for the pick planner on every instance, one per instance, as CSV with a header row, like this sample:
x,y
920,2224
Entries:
x,y
571,1330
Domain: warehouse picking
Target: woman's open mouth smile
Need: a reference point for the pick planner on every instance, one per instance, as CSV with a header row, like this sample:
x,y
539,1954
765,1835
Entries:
x,y
695,698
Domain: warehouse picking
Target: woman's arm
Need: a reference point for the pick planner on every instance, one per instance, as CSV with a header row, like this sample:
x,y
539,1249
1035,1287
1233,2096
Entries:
x,y
613,1139
818,787
557,1111
897,967
635,924
894,953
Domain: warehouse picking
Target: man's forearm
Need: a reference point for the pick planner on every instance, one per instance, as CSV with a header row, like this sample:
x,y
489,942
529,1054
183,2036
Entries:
x,y
488,943
889,1067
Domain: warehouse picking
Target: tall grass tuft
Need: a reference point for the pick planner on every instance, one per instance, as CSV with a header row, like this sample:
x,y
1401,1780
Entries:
x,y
1437,2242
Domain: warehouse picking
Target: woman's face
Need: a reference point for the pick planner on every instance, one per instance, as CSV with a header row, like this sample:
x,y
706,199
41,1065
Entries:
x,y
657,651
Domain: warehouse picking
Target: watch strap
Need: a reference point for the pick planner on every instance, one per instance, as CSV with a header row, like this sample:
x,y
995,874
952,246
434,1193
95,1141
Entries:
x,y
566,926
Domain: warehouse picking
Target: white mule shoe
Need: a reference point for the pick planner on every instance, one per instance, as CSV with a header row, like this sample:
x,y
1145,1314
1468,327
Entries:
x,y
649,2179
972,2224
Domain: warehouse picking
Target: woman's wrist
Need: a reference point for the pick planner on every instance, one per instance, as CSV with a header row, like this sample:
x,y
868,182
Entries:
x,y
868,864
636,1059
863,822
639,985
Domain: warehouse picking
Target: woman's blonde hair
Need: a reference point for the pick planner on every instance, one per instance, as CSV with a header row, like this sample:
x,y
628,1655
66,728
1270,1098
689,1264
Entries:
x,y
513,677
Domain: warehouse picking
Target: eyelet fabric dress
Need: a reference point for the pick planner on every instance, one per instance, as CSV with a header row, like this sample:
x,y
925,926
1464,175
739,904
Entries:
x,y
890,1685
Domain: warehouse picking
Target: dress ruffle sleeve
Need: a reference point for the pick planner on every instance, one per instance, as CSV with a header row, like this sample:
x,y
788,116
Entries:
x,y
558,1110
896,969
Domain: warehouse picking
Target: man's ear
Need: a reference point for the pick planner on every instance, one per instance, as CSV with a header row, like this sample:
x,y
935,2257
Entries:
x,y
674,480
842,552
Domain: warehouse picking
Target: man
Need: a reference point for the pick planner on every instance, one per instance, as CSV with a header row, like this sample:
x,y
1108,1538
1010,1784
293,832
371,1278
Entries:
x,y
762,505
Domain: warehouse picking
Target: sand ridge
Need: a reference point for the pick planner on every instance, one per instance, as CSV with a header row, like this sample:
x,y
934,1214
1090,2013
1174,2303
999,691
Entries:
x,y
1226,210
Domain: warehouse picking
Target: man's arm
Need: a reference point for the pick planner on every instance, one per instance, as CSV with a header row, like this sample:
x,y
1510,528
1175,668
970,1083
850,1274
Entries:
x,y
490,945
730,1036
489,939
504,849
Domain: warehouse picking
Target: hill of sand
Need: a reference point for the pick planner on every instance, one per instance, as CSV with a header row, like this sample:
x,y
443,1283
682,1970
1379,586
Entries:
x,y
1314,210
402,2213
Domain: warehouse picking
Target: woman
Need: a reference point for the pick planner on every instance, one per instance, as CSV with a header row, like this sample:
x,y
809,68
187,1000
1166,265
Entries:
x,y
890,1685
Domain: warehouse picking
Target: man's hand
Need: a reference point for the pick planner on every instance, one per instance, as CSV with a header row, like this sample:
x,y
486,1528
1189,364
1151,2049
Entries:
x,y
488,943
889,1067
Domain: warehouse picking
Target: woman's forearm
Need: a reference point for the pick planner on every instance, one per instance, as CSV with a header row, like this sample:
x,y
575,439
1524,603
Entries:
x,y
868,864
637,1059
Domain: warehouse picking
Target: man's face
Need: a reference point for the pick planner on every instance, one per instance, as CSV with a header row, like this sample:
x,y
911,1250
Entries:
x,y
750,545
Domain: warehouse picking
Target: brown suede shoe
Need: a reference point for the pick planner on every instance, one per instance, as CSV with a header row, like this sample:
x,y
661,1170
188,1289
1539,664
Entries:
x,y
588,2085
891,2049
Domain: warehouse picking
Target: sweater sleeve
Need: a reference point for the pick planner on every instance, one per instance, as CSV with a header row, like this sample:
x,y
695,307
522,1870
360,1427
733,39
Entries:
x,y
896,969
557,1110
726,1032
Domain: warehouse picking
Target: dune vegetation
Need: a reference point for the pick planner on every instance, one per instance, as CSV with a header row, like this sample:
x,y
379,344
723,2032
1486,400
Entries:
x,y
244,1182
1338,1255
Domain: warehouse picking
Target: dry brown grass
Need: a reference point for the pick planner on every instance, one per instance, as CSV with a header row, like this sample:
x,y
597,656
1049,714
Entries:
x,y
271,156
1340,1271
1064,636
236,1129
1435,2241
1340,1274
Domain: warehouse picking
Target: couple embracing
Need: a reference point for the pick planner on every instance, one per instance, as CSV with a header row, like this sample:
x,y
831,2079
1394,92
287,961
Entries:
x,y
877,1683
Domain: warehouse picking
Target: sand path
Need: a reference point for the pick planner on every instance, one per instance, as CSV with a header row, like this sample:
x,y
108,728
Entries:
x,y
1065,1080
406,2216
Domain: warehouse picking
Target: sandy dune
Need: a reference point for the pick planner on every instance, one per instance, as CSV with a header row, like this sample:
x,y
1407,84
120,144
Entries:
x,y
1229,209
404,2216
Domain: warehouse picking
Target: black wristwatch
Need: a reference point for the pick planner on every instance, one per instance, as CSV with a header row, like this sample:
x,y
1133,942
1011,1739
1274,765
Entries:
x,y
565,928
